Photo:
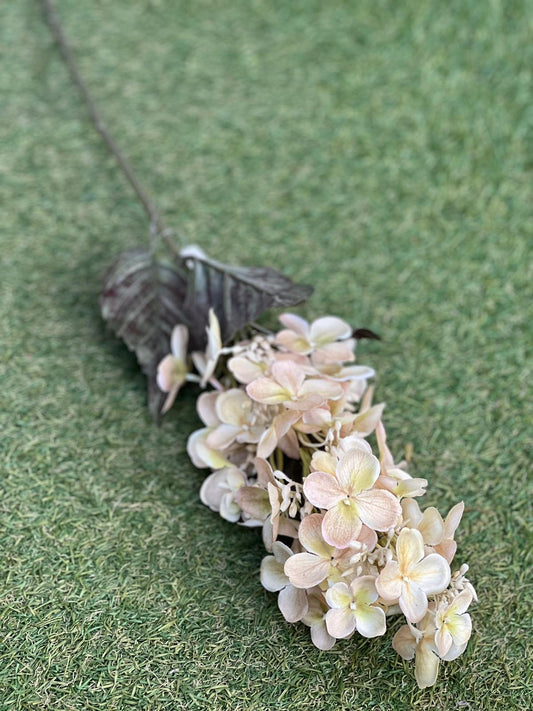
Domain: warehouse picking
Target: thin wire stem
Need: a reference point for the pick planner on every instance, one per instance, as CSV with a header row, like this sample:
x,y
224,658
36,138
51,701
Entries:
x,y
52,19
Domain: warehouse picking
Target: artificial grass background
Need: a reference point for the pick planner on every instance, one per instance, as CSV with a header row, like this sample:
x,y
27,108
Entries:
x,y
376,150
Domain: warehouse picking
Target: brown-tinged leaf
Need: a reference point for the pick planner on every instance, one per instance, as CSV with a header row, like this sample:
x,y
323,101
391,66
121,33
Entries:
x,y
143,299
142,302
239,295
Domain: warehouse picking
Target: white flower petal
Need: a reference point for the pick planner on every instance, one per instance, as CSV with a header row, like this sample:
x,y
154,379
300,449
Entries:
x,y
340,623
413,601
292,603
432,574
370,621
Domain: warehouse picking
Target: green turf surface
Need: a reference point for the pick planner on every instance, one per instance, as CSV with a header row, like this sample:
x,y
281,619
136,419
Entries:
x,y
378,150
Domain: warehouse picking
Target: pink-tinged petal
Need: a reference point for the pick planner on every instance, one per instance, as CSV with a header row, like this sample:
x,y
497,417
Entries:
x,y
385,456
364,590
357,470
295,323
267,391
368,537
323,462
370,621
460,627
254,501
246,370
409,548
202,455
229,509
431,526
443,641
447,549
323,490
310,535
339,352
407,486
413,601
272,576
316,391
267,443
328,329
293,603
389,582
346,444
213,489
453,653
378,509
411,513
461,603
289,375
293,342
233,407
432,574
206,408
354,373
222,436
165,373
426,665
366,422
179,341
169,401
290,445
404,643
453,519
321,638
340,623
305,570
341,525
339,596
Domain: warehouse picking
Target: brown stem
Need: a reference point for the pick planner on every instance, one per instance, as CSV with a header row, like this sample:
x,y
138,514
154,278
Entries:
x,y
156,223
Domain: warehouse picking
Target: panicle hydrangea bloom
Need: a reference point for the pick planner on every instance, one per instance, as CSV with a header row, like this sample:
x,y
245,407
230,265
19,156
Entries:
x,y
285,435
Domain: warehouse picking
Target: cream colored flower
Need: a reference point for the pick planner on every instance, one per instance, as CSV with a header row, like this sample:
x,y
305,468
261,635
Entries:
x,y
172,370
288,386
320,561
205,363
350,500
413,577
219,489
291,601
353,608
315,618
419,643
454,626
327,338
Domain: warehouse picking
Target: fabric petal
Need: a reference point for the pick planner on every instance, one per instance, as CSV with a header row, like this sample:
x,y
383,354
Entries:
x,y
267,391
340,623
178,341
364,590
295,323
378,509
233,406
366,422
460,627
291,341
409,548
222,436
323,462
357,470
322,490
461,603
370,621
339,596
426,665
202,455
432,574
413,601
389,583
453,519
327,329
289,375
245,370
443,641
206,408
310,535
338,352
431,526
341,525
305,570
292,603
321,638
404,643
